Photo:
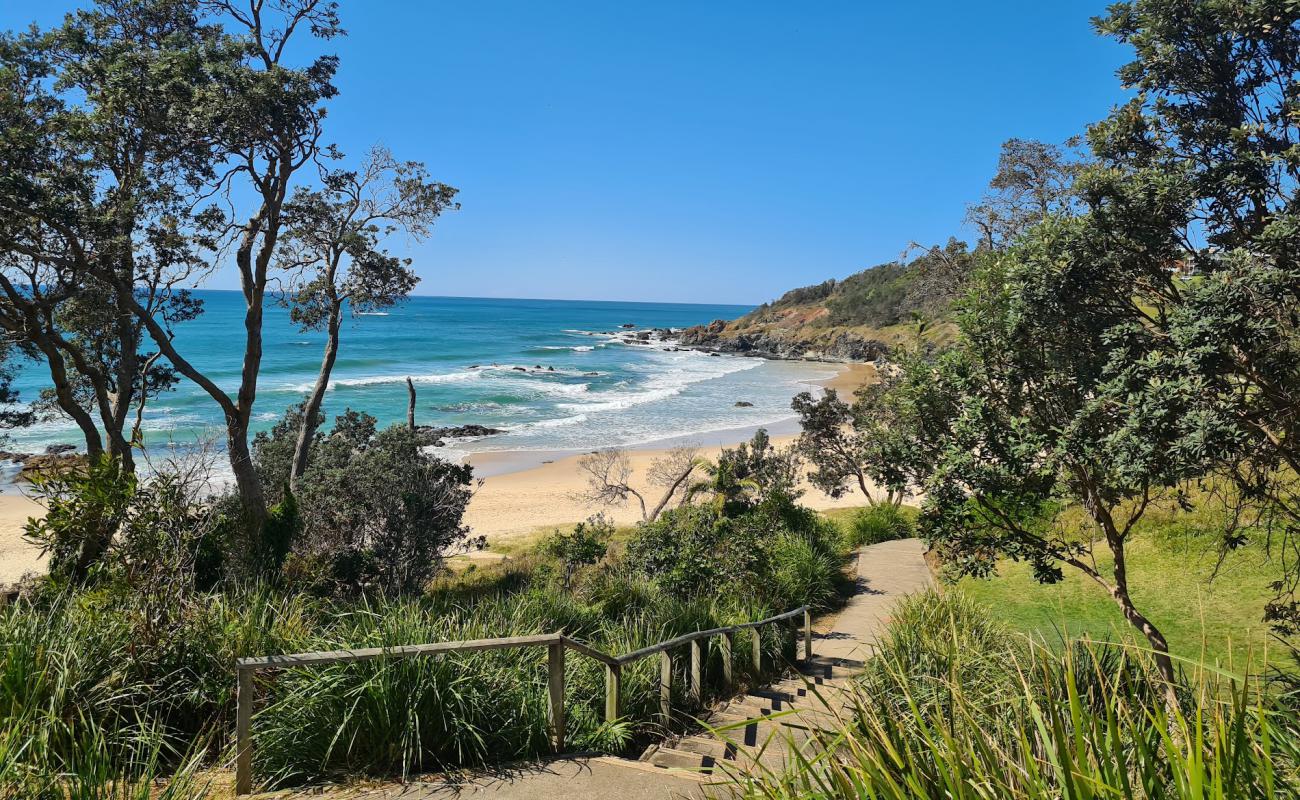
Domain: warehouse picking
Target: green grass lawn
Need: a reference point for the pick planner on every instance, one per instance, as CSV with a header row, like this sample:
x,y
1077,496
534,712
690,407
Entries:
x,y
1208,618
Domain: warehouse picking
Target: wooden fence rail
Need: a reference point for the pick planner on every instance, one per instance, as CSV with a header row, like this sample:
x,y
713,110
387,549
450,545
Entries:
x,y
555,643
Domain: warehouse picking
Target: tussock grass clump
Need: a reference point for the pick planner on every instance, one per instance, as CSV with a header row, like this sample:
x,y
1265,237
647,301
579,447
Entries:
x,y
882,522
955,707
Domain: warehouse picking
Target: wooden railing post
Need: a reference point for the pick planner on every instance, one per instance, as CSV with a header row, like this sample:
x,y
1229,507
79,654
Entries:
x,y
726,657
697,688
665,687
613,689
758,650
244,732
555,682
807,635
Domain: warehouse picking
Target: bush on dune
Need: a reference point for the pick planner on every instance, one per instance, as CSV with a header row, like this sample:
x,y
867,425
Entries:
x,y
773,549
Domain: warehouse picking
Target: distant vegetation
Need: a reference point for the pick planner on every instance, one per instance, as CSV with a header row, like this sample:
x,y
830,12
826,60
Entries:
x,y
885,295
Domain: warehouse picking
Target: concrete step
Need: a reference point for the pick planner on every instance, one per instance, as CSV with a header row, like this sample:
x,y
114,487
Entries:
x,y
799,693
774,754
813,714
826,670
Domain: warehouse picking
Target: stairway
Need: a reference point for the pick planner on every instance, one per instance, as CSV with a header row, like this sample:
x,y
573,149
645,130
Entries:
x,y
759,730
762,730
765,728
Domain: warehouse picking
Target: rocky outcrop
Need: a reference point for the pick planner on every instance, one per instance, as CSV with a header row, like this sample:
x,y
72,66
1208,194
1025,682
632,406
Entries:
x,y
783,343
436,437
55,457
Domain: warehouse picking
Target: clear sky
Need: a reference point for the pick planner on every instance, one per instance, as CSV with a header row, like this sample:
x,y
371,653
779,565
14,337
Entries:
x,y
693,150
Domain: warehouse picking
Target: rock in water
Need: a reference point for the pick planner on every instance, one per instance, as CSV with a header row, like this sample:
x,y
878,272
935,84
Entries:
x,y
436,437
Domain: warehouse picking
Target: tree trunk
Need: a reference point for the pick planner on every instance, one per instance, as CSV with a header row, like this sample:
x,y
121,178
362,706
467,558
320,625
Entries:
x,y
310,409
252,499
1120,594
410,405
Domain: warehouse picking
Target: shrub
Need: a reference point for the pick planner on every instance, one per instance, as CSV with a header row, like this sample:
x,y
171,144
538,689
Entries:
x,y
803,571
374,512
774,551
882,522
587,543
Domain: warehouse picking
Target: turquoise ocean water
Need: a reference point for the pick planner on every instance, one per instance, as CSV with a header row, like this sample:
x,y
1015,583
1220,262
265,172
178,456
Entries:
x,y
462,353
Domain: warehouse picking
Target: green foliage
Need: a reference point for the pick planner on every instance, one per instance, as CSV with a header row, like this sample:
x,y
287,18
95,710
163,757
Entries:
x,y
90,673
880,523
754,471
373,512
775,551
871,297
85,509
952,706
587,543
104,525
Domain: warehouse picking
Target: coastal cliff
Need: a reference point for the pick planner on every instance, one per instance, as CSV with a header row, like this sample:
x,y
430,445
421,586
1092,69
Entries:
x,y
859,318
773,341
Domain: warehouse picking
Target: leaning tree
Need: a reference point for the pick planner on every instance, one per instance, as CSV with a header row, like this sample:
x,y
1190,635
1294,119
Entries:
x,y
335,260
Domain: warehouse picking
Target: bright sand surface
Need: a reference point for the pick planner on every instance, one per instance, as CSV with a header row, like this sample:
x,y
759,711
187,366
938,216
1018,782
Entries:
x,y
509,505
17,556
523,502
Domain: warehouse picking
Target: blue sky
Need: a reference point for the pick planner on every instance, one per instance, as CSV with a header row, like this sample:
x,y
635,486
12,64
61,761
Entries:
x,y
692,151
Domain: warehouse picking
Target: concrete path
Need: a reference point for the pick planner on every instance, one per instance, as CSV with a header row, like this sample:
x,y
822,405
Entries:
x,y
885,573
693,765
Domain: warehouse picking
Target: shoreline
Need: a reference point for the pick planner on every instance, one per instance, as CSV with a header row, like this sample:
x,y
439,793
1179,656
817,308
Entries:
x,y
495,463
518,500
522,491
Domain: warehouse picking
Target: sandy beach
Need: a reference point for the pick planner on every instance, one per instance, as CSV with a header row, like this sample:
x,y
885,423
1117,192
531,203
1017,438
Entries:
x,y
521,503
508,506
17,556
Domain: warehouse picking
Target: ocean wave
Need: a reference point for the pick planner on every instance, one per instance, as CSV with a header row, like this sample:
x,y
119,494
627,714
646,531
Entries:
x,y
662,385
551,348
559,422
375,380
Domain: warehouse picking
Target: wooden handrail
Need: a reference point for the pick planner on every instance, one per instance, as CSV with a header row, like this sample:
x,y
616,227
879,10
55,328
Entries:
x,y
401,651
556,643
637,655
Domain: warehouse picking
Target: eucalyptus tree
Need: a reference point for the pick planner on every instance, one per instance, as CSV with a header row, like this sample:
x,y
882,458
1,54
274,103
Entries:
x,y
1019,437
842,442
264,123
1094,378
333,253
1207,154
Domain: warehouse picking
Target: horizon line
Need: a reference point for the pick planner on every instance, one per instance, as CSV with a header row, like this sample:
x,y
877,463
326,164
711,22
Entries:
x,y
524,299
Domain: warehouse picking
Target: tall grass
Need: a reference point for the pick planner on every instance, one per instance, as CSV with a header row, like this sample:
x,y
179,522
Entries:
x,y
91,694
953,707
882,522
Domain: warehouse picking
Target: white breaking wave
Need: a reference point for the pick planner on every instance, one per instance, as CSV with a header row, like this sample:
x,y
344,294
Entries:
x,y
549,423
375,380
665,384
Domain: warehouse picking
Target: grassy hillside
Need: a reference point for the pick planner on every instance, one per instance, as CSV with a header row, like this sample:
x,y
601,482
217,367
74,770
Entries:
x,y
857,318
